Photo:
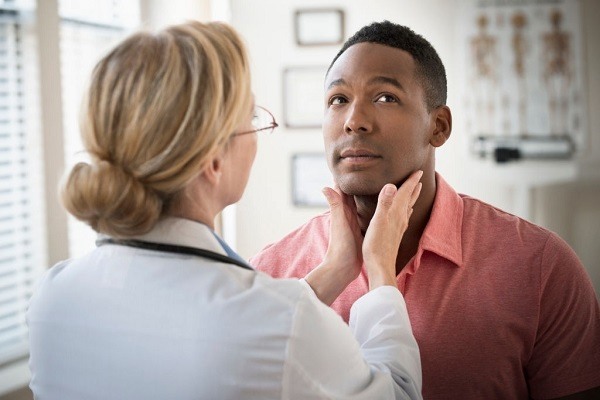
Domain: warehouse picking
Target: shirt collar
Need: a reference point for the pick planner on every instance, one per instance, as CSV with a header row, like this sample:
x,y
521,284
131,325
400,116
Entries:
x,y
443,233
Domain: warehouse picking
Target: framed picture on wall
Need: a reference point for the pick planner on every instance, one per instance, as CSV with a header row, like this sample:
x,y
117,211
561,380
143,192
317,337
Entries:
x,y
316,27
309,176
303,96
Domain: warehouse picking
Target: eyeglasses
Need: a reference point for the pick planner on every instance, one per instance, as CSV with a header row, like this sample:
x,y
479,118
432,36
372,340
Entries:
x,y
263,120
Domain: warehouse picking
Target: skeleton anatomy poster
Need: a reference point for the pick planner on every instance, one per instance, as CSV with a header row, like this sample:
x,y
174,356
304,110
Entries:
x,y
523,69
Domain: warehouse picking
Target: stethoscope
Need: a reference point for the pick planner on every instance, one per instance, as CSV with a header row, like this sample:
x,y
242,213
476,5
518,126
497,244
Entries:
x,y
174,249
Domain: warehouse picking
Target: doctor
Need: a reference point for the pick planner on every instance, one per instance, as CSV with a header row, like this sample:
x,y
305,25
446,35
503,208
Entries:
x,y
163,308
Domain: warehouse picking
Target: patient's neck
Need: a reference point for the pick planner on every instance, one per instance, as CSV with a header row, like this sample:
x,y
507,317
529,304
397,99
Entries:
x,y
366,206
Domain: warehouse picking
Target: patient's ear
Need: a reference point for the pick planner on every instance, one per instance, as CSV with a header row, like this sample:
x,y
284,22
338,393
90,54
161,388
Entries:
x,y
442,126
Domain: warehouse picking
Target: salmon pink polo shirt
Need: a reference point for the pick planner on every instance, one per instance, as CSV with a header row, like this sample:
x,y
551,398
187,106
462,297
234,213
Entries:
x,y
501,308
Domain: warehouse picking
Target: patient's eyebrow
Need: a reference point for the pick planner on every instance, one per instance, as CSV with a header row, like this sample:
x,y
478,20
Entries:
x,y
337,82
375,80
387,80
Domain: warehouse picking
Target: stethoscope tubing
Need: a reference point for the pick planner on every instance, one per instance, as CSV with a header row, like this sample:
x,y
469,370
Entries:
x,y
174,249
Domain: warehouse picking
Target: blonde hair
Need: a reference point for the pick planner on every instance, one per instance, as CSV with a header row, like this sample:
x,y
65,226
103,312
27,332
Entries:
x,y
158,108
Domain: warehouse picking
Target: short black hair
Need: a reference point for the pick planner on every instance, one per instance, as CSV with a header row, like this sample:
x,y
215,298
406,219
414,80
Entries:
x,y
429,66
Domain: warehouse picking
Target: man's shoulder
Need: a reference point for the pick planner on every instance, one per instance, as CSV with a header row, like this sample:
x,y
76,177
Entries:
x,y
496,220
484,223
296,253
470,220
318,225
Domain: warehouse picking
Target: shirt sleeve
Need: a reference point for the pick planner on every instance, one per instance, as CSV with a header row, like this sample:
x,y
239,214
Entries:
x,y
377,358
566,353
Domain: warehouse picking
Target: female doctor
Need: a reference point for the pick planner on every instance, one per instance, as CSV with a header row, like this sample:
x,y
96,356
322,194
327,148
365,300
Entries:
x,y
163,308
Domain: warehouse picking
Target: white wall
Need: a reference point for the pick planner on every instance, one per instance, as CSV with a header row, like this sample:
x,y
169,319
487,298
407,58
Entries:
x,y
159,13
266,212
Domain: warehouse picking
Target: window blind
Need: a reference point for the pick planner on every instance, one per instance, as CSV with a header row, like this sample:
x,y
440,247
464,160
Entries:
x,y
22,233
87,29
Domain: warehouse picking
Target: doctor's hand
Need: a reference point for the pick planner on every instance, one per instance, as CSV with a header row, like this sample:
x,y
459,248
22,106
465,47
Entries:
x,y
385,231
343,260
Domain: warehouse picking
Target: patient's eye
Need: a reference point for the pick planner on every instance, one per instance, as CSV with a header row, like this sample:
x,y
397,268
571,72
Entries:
x,y
386,98
335,100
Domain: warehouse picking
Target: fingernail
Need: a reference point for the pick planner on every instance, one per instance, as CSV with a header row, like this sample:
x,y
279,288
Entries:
x,y
389,189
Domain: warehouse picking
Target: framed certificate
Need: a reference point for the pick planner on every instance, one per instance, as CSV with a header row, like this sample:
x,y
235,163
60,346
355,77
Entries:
x,y
317,27
309,176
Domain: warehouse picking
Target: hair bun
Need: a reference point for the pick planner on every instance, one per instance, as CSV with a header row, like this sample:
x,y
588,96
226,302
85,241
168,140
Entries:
x,y
110,200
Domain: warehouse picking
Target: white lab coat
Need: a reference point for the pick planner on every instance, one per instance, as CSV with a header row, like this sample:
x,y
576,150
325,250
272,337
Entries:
x,y
125,323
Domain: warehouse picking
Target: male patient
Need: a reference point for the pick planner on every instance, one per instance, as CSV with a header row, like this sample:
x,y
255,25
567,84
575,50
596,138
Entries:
x,y
501,308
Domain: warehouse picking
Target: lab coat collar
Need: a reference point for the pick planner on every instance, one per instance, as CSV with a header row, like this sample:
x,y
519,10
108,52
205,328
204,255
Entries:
x,y
183,232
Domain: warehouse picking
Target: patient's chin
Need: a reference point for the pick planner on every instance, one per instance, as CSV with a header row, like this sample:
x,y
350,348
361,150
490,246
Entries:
x,y
359,188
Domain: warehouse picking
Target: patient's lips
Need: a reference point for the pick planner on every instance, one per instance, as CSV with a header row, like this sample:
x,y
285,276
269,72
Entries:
x,y
358,156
